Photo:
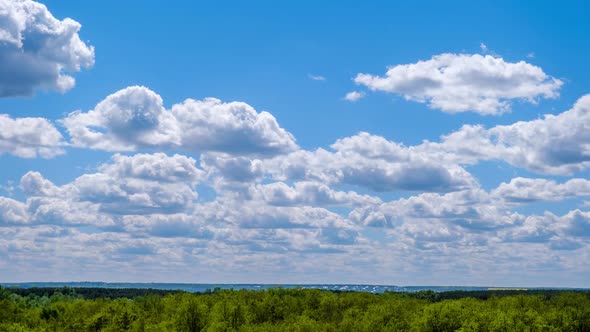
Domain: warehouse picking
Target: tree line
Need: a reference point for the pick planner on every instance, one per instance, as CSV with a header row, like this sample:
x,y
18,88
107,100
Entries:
x,y
69,309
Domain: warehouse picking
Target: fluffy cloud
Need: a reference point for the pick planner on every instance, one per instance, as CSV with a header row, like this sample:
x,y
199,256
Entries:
x,y
354,96
475,222
133,196
29,137
373,162
257,225
141,184
279,223
231,174
461,82
174,225
555,144
126,120
577,223
472,210
523,190
431,233
138,185
229,168
37,50
12,212
155,167
135,118
532,229
567,232
257,214
66,212
431,221
309,193
152,196
285,241
33,184
270,210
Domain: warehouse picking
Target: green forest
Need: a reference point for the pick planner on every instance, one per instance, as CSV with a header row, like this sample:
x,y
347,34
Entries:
x,y
68,309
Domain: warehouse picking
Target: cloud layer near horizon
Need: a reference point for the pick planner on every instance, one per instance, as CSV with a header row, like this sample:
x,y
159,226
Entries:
x,y
295,202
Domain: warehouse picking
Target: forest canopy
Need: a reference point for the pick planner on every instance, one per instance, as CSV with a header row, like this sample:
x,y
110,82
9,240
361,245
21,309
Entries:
x,y
95,309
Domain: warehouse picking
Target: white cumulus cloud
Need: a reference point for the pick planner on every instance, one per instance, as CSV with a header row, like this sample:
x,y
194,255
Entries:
x,y
456,83
38,51
140,184
525,190
135,118
555,144
372,162
29,137
309,193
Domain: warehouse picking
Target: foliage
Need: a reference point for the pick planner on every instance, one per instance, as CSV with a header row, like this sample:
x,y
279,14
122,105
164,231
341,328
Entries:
x,y
296,310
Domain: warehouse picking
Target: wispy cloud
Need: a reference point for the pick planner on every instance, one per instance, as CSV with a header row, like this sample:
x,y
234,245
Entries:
x,y
354,96
316,77
483,47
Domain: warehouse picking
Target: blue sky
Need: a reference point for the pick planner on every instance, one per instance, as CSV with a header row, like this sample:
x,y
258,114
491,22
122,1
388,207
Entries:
x,y
428,143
